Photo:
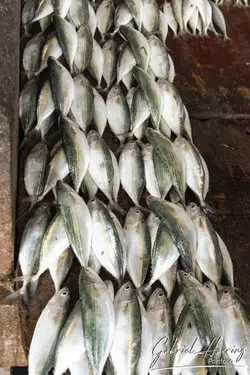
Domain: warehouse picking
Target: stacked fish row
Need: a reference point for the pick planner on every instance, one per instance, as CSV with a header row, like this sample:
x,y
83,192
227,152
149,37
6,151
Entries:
x,y
80,81
238,3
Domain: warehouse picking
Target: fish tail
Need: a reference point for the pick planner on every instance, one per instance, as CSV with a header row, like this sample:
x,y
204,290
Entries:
x,y
33,287
117,207
208,209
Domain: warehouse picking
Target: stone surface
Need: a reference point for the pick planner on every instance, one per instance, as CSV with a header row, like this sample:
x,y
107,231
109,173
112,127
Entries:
x,y
5,371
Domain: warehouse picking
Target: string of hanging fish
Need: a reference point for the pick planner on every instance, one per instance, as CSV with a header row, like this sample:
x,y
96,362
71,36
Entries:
x,y
107,121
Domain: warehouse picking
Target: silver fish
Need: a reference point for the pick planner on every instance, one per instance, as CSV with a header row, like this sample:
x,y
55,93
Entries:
x,y
138,245
128,80
100,112
76,149
177,11
125,63
34,170
205,11
60,268
138,44
208,254
28,14
92,23
180,227
150,175
76,219
118,113
62,85
57,170
170,18
107,246
61,7
45,105
45,22
159,61
146,343
163,27
82,109
43,344
197,176
105,16
84,49
136,9
152,94
99,330
28,105
43,8
193,21
32,54
159,315
226,262
150,18
139,111
103,166
70,346
188,9
168,279
218,19
132,171
31,242
97,63
67,37
79,12
122,16
110,52
51,48
173,110
89,187
81,367
126,347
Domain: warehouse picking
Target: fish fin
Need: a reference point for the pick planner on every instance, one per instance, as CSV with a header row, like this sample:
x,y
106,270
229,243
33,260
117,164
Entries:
x,y
208,209
22,292
33,287
117,207
119,150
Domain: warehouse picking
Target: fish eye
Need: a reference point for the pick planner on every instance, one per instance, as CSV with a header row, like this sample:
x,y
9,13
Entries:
x,y
65,293
137,211
185,274
92,132
127,287
160,294
225,292
207,285
192,206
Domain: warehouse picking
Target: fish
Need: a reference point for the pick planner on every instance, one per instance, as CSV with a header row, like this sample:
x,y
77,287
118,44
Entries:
x,y
60,268
122,16
146,343
32,54
153,224
163,27
138,246
197,176
70,346
62,85
176,6
42,9
160,316
188,9
136,9
28,13
173,110
92,22
45,105
47,330
170,17
139,111
227,263
206,313
168,279
150,17
82,109
94,262
61,7
138,44
180,227
79,13
100,112
149,168
57,170
28,102
164,253
118,114
105,14
159,61
96,63
132,171
125,62
84,49
98,331
30,246
193,21
67,37
237,330
167,153
103,167
208,254
205,11
76,219
51,48
218,19
76,149
81,367
110,52
152,94
45,22
34,171
107,246
126,347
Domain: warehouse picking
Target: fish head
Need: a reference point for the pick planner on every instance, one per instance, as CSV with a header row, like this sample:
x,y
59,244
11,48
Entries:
x,y
89,277
59,303
187,280
43,209
194,211
93,139
147,150
125,293
134,216
157,300
211,287
114,94
226,297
